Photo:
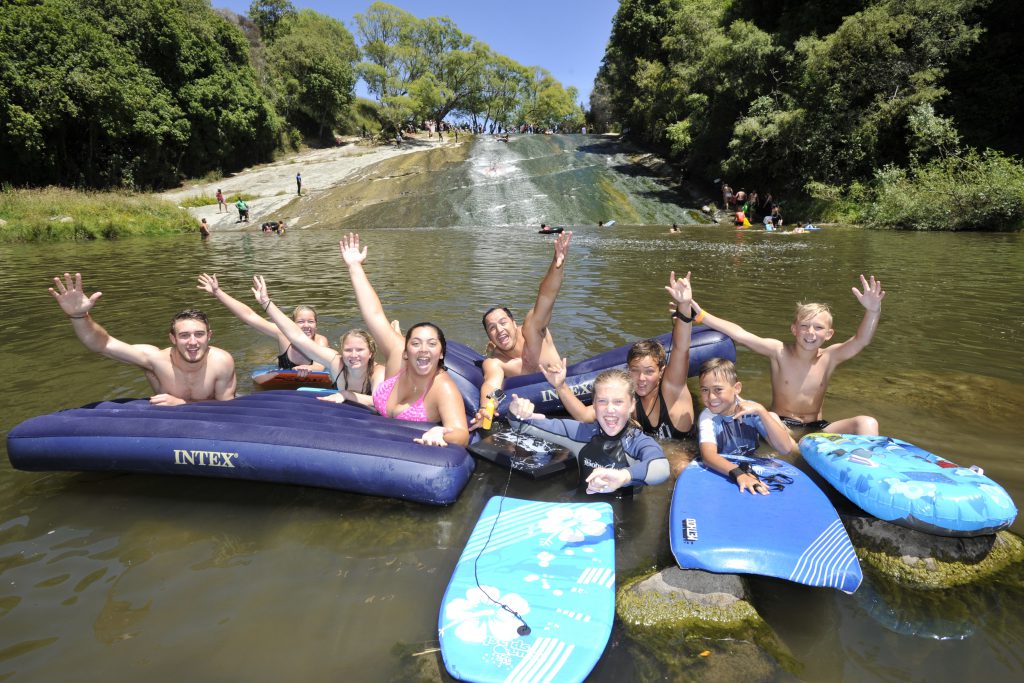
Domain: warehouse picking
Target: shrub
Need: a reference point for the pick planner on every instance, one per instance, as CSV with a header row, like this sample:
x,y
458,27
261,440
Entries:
x,y
970,191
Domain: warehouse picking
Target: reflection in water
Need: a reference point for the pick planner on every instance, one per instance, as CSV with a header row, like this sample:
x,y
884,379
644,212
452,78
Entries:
x,y
180,578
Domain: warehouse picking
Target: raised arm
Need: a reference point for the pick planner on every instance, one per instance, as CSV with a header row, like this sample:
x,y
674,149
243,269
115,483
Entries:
x,y
761,345
555,375
324,355
71,297
389,341
679,361
209,284
871,300
550,285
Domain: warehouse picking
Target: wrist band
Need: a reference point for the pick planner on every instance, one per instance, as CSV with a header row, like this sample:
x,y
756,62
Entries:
x,y
78,317
678,314
269,301
699,318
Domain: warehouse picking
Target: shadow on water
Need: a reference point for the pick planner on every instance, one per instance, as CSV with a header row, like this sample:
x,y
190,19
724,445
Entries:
x,y
177,578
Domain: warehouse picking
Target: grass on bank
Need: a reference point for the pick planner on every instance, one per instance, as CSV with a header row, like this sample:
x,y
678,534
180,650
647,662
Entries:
x,y
211,200
55,214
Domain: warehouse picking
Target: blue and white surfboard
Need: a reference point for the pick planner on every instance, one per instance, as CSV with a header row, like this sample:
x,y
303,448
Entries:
x,y
553,565
793,533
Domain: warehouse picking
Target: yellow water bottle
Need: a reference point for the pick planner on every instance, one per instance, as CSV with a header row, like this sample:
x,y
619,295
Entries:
x,y
488,409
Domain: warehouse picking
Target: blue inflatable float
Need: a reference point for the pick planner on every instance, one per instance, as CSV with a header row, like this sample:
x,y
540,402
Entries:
x,y
277,436
464,363
900,483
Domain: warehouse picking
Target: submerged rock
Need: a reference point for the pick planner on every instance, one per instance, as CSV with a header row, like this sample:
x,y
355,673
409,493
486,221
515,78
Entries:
x,y
690,624
919,560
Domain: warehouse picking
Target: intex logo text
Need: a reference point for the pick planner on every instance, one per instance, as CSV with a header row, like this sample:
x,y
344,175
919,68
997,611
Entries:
x,y
204,458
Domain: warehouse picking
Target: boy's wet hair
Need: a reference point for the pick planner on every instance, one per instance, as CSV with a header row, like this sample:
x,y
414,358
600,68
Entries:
x,y
190,314
648,347
719,367
808,311
615,375
492,309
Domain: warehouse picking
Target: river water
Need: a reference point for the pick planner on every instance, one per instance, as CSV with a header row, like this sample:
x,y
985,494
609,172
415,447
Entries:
x,y
129,577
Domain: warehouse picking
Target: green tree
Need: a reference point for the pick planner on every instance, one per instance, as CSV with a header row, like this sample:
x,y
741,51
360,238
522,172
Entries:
x,y
313,62
271,16
125,93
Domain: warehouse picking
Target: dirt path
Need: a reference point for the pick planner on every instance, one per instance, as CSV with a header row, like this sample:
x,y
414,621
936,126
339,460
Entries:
x,y
273,184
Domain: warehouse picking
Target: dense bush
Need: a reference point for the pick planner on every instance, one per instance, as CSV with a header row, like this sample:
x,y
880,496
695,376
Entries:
x,y
975,191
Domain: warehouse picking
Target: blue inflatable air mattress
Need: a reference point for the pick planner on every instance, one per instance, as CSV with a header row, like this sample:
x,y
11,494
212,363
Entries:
x,y
276,436
463,364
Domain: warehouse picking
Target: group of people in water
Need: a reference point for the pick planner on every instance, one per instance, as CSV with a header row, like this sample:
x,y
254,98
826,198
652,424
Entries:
x,y
617,434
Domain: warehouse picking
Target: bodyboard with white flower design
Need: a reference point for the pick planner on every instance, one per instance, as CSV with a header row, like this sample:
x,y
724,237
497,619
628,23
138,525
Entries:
x,y
901,483
792,533
553,564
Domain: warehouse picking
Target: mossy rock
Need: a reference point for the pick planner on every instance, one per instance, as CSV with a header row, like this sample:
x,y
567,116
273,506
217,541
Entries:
x,y
690,625
924,561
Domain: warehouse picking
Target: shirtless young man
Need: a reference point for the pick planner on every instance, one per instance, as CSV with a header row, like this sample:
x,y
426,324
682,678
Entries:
x,y
189,370
521,350
801,369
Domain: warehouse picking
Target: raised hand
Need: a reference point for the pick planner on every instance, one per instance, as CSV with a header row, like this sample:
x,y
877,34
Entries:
x,y
71,296
350,252
681,292
208,283
555,373
562,248
871,297
259,290
522,408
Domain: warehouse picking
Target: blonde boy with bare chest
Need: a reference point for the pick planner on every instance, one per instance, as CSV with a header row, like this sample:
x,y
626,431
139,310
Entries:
x,y
801,369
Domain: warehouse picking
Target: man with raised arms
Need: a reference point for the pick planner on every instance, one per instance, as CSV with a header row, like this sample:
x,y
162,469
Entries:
x,y
519,350
189,370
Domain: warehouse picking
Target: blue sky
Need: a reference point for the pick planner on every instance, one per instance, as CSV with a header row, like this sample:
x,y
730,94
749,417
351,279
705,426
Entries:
x,y
566,37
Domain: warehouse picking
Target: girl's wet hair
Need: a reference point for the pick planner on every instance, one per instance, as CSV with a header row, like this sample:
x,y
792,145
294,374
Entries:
x,y
440,336
367,387
303,307
615,375
648,347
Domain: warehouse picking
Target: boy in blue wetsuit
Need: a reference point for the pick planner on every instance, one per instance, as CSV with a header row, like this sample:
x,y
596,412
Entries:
x,y
613,453
730,425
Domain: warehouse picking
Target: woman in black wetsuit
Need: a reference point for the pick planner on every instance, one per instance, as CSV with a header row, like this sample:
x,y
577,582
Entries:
x,y
290,358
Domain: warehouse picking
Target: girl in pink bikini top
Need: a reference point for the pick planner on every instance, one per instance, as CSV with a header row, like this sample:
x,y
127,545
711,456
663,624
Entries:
x,y
416,412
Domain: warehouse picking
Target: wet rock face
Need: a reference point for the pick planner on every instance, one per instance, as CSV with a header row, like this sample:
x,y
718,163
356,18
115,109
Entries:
x,y
921,560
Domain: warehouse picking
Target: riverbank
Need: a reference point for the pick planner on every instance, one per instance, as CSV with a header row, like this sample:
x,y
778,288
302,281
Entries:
x,y
273,190
63,214
58,214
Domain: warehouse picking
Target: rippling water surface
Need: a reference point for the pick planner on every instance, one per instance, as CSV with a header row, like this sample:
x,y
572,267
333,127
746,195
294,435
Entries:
x,y
128,577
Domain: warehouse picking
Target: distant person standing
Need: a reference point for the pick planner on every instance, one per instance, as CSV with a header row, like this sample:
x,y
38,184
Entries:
x,y
204,229
222,206
298,183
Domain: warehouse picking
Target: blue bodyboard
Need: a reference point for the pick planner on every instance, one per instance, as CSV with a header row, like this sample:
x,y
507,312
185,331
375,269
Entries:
x,y
553,564
793,533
